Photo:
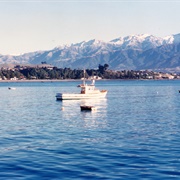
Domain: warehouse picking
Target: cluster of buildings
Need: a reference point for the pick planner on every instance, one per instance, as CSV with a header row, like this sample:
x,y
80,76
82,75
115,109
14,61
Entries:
x,y
161,75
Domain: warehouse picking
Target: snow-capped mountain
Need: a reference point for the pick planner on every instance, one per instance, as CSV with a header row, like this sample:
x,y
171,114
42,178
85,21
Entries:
x,y
145,41
172,39
141,42
135,52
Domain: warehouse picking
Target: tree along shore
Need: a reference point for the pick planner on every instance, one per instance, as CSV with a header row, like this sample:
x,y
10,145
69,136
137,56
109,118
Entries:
x,y
54,73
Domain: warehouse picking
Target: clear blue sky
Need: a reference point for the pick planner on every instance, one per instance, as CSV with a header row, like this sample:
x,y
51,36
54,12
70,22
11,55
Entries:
x,y
32,25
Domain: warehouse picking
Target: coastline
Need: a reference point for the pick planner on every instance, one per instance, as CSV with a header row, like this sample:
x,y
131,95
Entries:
x,y
68,80
39,80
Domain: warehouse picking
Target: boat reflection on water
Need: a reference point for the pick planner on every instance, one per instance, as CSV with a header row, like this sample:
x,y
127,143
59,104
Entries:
x,y
96,118
100,103
71,111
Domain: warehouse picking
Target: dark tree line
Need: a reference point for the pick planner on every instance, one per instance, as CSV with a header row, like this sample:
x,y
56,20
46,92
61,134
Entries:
x,y
67,73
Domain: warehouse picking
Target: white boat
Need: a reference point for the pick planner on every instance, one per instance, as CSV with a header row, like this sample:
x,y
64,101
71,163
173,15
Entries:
x,y
88,91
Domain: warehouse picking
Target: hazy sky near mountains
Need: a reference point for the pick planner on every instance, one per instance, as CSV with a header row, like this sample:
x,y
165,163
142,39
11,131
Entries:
x,y
32,25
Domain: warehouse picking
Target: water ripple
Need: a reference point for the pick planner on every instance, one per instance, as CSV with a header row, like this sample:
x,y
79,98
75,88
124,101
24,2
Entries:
x,y
134,134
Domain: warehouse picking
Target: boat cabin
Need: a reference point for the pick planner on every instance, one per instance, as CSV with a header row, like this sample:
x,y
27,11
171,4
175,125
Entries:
x,y
87,89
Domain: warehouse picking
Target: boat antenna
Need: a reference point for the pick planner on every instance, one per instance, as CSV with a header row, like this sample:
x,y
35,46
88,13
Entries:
x,y
93,81
84,77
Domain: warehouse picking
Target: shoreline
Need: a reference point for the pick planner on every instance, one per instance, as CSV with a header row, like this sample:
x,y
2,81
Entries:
x,y
38,80
68,80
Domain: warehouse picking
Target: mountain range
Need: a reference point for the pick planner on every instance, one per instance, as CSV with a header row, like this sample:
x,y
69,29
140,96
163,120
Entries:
x,y
134,52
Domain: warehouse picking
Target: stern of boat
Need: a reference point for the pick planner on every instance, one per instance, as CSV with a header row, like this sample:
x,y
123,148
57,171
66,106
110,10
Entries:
x,y
59,96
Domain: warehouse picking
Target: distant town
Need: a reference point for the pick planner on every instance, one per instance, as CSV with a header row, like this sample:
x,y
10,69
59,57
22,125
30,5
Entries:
x,y
48,72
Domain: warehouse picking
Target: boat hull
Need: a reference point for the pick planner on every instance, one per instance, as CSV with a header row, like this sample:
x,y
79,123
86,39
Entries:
x,y
66,96
87,108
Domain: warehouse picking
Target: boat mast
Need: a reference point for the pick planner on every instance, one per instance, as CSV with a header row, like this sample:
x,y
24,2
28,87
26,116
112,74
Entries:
x,y
84,78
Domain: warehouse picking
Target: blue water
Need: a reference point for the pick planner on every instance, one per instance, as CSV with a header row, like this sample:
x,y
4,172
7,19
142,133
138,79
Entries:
x,y
133,134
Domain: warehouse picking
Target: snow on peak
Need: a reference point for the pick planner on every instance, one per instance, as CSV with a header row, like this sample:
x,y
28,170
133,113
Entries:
x,y
131,38
172,39
138,41
95,42
64,46
144,35
168,39
139,37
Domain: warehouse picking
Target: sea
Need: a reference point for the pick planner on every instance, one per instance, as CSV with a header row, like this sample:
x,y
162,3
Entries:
x,y
134,133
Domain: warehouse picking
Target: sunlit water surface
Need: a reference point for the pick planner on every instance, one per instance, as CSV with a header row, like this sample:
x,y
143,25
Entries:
x,y
133,134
